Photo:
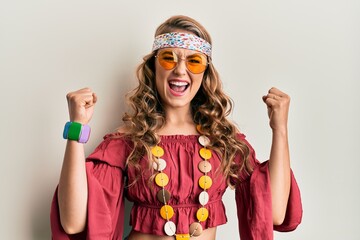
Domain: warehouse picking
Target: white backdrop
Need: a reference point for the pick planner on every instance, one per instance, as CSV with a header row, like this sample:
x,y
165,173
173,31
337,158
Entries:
x,y
308,48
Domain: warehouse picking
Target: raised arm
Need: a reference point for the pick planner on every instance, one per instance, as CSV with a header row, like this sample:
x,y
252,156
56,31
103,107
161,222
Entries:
x,y
73,189
279,163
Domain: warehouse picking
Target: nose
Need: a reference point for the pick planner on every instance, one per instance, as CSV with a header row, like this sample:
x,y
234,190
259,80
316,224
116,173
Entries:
x,y
180,68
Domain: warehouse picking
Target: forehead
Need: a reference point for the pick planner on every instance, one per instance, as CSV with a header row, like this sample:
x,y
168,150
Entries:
x,y
181,51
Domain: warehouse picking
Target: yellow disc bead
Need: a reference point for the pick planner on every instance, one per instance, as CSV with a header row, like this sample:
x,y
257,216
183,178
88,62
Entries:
x,y
202,214
157,151
184,236
161,179
205,153
166,212
205,182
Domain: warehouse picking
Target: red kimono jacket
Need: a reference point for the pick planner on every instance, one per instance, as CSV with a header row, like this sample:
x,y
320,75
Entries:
x,y
107,173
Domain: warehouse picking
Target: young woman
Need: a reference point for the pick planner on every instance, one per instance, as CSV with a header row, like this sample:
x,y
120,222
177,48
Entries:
x,y
174,156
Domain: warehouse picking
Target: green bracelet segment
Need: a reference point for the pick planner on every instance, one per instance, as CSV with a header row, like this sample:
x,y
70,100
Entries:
x,y
74,131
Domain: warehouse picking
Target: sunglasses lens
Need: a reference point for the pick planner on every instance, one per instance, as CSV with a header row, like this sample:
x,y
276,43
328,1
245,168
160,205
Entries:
x,y
167,59
195,63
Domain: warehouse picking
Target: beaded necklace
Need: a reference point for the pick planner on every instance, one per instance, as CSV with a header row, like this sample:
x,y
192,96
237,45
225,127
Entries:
x,y
205,182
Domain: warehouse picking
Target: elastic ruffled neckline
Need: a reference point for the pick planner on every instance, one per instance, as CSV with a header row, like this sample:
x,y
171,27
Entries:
x,y
179,137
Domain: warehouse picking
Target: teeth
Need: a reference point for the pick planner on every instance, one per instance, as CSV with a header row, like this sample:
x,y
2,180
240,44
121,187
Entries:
x,y
178,83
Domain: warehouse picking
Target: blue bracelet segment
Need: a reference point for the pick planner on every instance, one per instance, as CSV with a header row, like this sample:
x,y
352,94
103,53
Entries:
x,y
66,130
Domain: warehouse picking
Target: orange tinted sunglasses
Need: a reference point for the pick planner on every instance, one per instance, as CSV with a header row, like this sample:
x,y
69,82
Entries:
x,y
195,63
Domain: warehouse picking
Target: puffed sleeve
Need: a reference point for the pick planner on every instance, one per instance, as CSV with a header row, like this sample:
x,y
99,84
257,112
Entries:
x,y
105,209
254,208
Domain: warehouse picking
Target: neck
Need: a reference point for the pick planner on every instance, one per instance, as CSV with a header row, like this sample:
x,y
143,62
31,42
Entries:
x,y
178,122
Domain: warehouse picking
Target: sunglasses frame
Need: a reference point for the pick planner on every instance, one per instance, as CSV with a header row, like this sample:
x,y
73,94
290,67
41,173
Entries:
x,y
184,59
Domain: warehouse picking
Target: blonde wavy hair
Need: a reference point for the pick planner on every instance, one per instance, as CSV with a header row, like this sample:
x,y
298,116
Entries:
x,y
210,108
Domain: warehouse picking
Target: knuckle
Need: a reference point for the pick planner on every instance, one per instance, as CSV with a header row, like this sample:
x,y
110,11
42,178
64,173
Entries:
x,y
73,97
70,95
287,99
87,89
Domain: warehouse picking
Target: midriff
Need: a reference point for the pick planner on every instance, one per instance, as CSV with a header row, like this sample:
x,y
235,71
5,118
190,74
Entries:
x,y
207,234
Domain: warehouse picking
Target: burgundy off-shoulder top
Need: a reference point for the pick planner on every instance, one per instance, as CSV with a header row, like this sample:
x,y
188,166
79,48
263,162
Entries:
x,y
108,175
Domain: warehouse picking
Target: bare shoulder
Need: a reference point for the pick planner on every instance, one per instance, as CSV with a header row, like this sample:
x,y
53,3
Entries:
x,y
237,130
120,133
123,130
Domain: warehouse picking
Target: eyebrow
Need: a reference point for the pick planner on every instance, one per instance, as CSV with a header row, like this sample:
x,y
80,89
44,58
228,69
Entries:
x,y
180,55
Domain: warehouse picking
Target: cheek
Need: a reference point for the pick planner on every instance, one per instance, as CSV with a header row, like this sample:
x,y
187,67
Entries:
x,y
160,73
198,80
157,83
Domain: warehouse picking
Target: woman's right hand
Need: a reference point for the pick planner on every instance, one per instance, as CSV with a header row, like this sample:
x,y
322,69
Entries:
x,y
81,105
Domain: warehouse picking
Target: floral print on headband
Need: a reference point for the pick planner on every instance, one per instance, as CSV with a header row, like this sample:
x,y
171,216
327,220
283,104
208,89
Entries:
x,y
182,40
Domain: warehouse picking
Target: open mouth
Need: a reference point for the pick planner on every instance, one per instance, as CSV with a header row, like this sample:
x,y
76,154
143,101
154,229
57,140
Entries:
x,y
178,86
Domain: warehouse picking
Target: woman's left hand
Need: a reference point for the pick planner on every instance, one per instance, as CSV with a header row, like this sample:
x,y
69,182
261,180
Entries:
x,y
277,103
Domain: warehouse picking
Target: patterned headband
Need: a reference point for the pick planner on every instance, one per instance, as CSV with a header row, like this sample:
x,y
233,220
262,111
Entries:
x,y
182,40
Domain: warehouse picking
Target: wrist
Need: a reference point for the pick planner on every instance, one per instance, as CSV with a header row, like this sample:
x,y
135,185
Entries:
x,y
77,132
280,131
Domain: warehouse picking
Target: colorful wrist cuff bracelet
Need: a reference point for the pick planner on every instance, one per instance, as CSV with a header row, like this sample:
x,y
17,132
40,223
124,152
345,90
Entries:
x,y
77,132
